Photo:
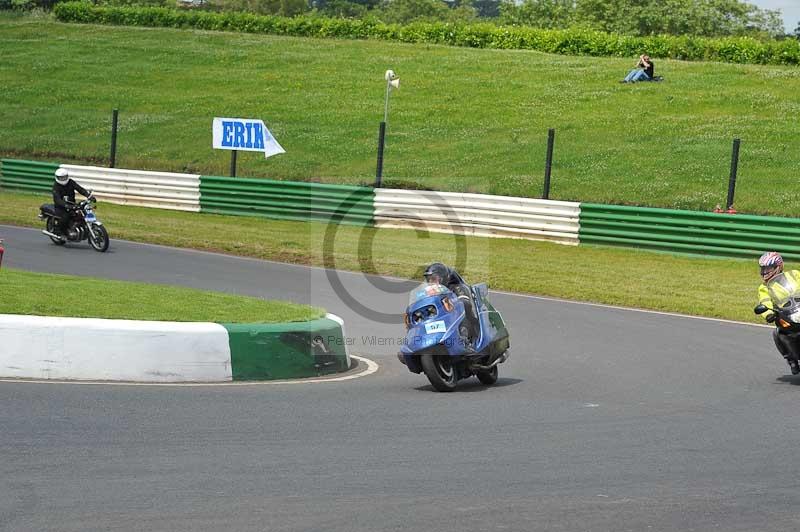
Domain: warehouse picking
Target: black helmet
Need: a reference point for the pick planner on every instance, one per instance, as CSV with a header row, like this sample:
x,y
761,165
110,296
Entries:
x,y
437,270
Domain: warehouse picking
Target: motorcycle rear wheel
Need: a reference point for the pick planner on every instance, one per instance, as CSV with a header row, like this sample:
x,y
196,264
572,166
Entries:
x,y
51,228
487,377
440,372
98,237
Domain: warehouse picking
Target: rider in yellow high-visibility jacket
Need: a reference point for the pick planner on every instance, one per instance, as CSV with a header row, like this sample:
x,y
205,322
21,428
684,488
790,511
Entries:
x,y
771,264
763,294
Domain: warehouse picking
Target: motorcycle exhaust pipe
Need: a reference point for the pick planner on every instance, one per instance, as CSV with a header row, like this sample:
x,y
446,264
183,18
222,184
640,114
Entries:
x,y
485,368
53,235
499,360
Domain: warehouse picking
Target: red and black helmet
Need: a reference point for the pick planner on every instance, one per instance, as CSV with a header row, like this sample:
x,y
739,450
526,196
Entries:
x,y
771,264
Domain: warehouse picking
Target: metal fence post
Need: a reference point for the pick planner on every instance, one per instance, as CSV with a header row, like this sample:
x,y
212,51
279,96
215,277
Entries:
x,y
114,121
734,170
548,164
233,162
379,170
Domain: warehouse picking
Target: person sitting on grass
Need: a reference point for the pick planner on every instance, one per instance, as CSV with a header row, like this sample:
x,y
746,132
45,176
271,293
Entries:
x,y
644,70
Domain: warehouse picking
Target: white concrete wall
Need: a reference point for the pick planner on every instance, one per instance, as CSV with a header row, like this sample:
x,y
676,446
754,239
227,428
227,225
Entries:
x,y
37,347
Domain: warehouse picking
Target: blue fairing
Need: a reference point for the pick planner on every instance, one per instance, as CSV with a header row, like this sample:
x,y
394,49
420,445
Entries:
x,y
488,330
434,317
441,329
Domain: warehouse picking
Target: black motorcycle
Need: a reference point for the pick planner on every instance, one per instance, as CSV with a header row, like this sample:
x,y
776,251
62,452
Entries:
x,y
785,296
84,225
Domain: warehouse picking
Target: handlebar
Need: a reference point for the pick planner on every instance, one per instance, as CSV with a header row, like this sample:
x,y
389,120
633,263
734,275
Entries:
x,y
90,199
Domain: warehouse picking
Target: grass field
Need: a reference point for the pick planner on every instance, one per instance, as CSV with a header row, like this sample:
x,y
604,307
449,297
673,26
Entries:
x,y
722,288
463,119
65,295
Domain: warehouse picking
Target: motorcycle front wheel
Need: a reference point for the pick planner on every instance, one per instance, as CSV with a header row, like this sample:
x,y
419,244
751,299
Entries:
x,y
440,371
98,237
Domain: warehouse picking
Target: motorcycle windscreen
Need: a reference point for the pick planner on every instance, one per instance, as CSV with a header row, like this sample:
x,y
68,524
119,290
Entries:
x,y
433,316
425,290
783,290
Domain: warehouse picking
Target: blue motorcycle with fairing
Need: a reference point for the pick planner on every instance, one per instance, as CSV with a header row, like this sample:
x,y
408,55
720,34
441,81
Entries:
x,y
438,341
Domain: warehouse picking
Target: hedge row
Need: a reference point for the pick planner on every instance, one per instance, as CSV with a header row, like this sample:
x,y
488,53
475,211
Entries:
x,y
571,42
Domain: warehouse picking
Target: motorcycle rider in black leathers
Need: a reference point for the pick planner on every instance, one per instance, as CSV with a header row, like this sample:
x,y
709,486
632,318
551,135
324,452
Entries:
x,y
64,190
438,273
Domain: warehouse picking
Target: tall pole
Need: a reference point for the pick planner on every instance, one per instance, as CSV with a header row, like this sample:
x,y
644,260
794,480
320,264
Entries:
x,y
382,135
734,171
381,141
386,100
114,116
391,81
548,163
233,162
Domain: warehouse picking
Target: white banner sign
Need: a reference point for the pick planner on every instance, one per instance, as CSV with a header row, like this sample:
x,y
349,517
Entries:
x,y
244,134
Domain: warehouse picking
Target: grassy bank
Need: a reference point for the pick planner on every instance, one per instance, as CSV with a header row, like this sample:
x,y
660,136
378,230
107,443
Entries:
x,y
463,119
722,288
65,295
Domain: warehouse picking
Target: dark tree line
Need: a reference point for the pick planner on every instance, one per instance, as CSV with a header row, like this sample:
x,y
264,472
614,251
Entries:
x,y
712,18
632,17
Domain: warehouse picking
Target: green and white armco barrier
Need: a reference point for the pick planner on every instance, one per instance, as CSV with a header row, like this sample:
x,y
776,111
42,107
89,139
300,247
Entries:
x,y
679,231
675,231
162,190
37,347
478,215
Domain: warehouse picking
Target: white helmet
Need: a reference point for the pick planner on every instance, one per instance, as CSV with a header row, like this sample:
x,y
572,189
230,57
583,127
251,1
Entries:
x,y
62,176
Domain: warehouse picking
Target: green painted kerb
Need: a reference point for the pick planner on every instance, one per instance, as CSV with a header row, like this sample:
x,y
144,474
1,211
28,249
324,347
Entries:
x,y
286,350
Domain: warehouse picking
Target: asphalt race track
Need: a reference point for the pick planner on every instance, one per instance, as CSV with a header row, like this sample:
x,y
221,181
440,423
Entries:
x,y
603,420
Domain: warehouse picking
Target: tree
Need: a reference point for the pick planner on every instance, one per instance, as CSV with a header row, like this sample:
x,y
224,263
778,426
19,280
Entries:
x,y
678,17
766,20
355,7
403,11
538,13
486,8
287,8
340,8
